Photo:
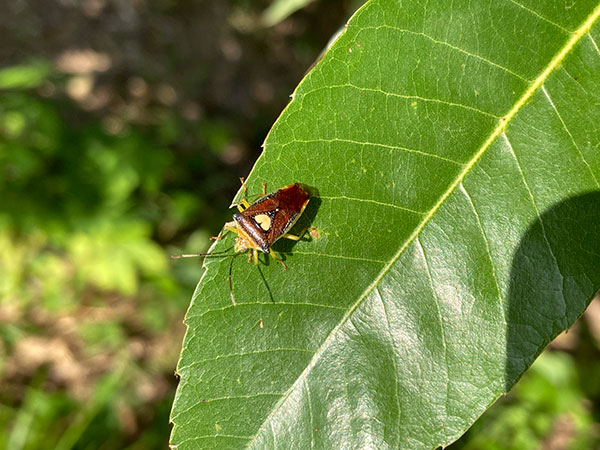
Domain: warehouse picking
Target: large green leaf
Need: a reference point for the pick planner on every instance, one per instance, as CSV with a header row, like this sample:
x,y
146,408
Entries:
x,y
455,147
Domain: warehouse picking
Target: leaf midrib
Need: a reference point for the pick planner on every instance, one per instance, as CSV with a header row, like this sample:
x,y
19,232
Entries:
x,y
503,122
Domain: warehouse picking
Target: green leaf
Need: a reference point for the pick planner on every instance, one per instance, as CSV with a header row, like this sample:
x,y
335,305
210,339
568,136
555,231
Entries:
x,y
455,147
279,10
25,76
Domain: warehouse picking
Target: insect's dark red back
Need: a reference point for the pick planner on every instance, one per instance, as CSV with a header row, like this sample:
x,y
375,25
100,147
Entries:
x,y
273,215
293,197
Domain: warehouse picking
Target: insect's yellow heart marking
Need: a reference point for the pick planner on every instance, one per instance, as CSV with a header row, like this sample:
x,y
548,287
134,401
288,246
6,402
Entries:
x,y
263,221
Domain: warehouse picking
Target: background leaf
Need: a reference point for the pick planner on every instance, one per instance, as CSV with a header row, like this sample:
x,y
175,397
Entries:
x,y
455,153
25,76
280,9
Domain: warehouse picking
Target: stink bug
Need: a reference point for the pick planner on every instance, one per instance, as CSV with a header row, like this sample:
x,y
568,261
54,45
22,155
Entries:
x,y
260,224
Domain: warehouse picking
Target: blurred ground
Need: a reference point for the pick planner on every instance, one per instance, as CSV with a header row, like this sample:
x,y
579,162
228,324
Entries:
x,y
124,129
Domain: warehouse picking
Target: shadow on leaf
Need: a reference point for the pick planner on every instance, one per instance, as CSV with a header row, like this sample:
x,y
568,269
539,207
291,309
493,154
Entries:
x,y
555,274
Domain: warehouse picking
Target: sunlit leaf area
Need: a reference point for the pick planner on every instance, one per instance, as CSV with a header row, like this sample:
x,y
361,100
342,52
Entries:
x,y
413,311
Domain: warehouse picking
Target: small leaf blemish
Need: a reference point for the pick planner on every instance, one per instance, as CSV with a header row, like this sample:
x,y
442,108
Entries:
x,y
314,233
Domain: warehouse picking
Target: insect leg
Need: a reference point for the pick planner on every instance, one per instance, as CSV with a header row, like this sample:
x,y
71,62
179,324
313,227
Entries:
x,y
279,260
255,256
231,226
231,283
293,237
228,227
243,204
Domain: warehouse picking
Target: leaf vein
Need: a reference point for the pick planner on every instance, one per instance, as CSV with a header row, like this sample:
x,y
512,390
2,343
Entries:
x,y
594,43
307,304
570,135
274,435
349,258
455,48
212,436
440,320
310,413
374,144
234,355
537,211
366,200
221,399
487,248
540,16
405,97
395,359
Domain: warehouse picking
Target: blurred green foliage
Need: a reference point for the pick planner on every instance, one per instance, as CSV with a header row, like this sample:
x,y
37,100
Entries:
x,y
24,76
280,9
85,285
91,308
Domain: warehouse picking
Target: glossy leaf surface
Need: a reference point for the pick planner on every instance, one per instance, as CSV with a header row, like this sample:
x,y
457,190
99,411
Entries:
x,y
455,148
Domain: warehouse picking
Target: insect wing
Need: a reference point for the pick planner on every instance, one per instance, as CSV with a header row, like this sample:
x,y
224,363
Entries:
x,y
271,216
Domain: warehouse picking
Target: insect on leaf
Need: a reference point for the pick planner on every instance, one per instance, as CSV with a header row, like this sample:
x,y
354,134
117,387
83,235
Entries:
x,y
455,147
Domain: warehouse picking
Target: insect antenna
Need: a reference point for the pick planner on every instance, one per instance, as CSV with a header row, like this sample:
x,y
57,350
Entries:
x,y
220,254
